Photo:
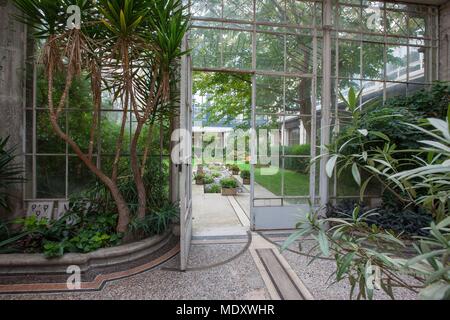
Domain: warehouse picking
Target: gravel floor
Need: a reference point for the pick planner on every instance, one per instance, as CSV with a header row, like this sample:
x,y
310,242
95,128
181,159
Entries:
x,y
238,280
316,276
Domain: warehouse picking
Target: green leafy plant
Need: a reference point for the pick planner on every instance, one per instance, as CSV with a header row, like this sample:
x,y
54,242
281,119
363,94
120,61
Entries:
x,y
208,179
9,172
229,183
301,161
213,188
126,49
359,244
199,178
245,174
235,169
359,248
157,223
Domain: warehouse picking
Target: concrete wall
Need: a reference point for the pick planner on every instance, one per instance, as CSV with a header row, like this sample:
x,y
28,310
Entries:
x,y
444,35
12,79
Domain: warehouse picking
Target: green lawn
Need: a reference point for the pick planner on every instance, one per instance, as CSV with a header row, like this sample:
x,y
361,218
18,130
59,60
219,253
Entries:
x,y
295,184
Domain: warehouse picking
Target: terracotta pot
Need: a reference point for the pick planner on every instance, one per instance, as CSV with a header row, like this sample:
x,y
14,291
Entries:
x,y
229,192
246,181
199,182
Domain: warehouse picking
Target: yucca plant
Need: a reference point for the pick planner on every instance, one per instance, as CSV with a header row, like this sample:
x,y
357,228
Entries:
x,y
126,48
10,172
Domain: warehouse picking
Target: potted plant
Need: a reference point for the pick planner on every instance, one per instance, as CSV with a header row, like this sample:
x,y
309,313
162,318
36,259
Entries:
x,y
245,175
235,169
199,179
229,187
208,180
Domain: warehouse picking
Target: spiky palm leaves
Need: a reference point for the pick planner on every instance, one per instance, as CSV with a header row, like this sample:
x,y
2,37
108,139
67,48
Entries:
x,y
127,47
9,172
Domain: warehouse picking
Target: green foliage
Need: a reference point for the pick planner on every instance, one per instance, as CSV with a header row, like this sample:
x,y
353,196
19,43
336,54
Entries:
x,y
216,175
408,221
245,174
155,178
199,177
229,183
156,223
299,164
361,239
235,168
358,248
9,172
208,179
80,230
228,96
213,188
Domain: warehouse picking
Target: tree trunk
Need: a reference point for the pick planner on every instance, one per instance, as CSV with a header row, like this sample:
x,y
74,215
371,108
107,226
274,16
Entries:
x,y
122,207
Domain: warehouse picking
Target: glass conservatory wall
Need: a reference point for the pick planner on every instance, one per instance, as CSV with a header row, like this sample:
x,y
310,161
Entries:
x,y
278,42
385,49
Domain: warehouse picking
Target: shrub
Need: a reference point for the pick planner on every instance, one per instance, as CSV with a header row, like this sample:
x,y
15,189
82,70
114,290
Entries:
x,y
300,165
213,188
157,222
245,174
216,175
409,221
199,178
208,179
229,183
235,168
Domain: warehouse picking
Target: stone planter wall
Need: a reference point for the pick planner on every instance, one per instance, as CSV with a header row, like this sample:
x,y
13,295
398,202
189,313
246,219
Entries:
x,y
38,264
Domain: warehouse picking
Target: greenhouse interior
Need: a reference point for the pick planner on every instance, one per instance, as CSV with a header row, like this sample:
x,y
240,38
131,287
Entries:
x,y
224,150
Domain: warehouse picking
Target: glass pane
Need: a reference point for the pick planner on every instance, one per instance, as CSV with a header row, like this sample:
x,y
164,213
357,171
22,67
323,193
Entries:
x,y
299,50
302,13
51,177
349,17
349,59
269,94
80,124
372,90
47,141
373,61
417,25
395,89
205,45
373,17
237,49
296,176
29,131
270,11
110,127
206,8
397,57
416,64
238,10
80,177
396,23
270,52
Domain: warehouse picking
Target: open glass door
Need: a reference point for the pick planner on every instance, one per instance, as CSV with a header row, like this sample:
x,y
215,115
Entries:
x,y
185,169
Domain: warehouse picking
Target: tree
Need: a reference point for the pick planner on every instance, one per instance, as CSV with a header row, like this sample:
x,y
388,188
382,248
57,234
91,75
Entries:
x,y
126,48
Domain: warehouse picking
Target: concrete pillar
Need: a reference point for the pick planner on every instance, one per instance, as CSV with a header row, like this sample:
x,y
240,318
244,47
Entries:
x,y
444,46
12,93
